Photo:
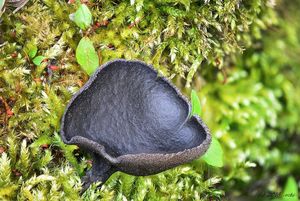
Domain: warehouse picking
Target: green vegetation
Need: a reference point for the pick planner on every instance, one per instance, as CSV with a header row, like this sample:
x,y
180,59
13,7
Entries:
x,y
250,99
87,56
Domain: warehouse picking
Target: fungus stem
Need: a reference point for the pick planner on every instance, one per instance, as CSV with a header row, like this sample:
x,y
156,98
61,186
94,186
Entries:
x,y
101,171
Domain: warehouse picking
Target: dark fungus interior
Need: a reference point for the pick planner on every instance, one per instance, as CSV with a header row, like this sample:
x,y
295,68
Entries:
x,y
129,109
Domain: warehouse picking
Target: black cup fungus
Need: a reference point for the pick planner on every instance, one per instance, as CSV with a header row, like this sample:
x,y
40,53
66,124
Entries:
x,y
132,120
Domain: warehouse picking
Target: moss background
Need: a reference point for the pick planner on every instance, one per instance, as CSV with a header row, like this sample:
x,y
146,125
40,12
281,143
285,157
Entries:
x,y
242,57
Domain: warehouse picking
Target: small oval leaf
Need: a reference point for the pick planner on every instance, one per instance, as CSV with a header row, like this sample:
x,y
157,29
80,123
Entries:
x,y
290,192
196,105
38,60
83,17
214,154
32,51
86,55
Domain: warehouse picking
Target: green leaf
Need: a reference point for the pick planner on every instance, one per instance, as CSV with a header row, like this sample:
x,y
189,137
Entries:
x,y
86,55
83,17
196,105
32,51
214,154
38,60
290,192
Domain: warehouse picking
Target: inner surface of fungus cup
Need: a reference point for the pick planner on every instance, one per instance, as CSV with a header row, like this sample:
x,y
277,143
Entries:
x,y
132,120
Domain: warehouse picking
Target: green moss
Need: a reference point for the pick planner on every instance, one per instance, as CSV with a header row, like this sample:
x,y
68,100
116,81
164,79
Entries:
x,y
257,108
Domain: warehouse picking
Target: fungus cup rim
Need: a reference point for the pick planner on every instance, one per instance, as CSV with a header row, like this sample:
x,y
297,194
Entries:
x,y
100,149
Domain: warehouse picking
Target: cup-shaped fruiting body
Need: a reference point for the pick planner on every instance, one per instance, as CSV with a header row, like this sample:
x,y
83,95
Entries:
x,y
132,120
